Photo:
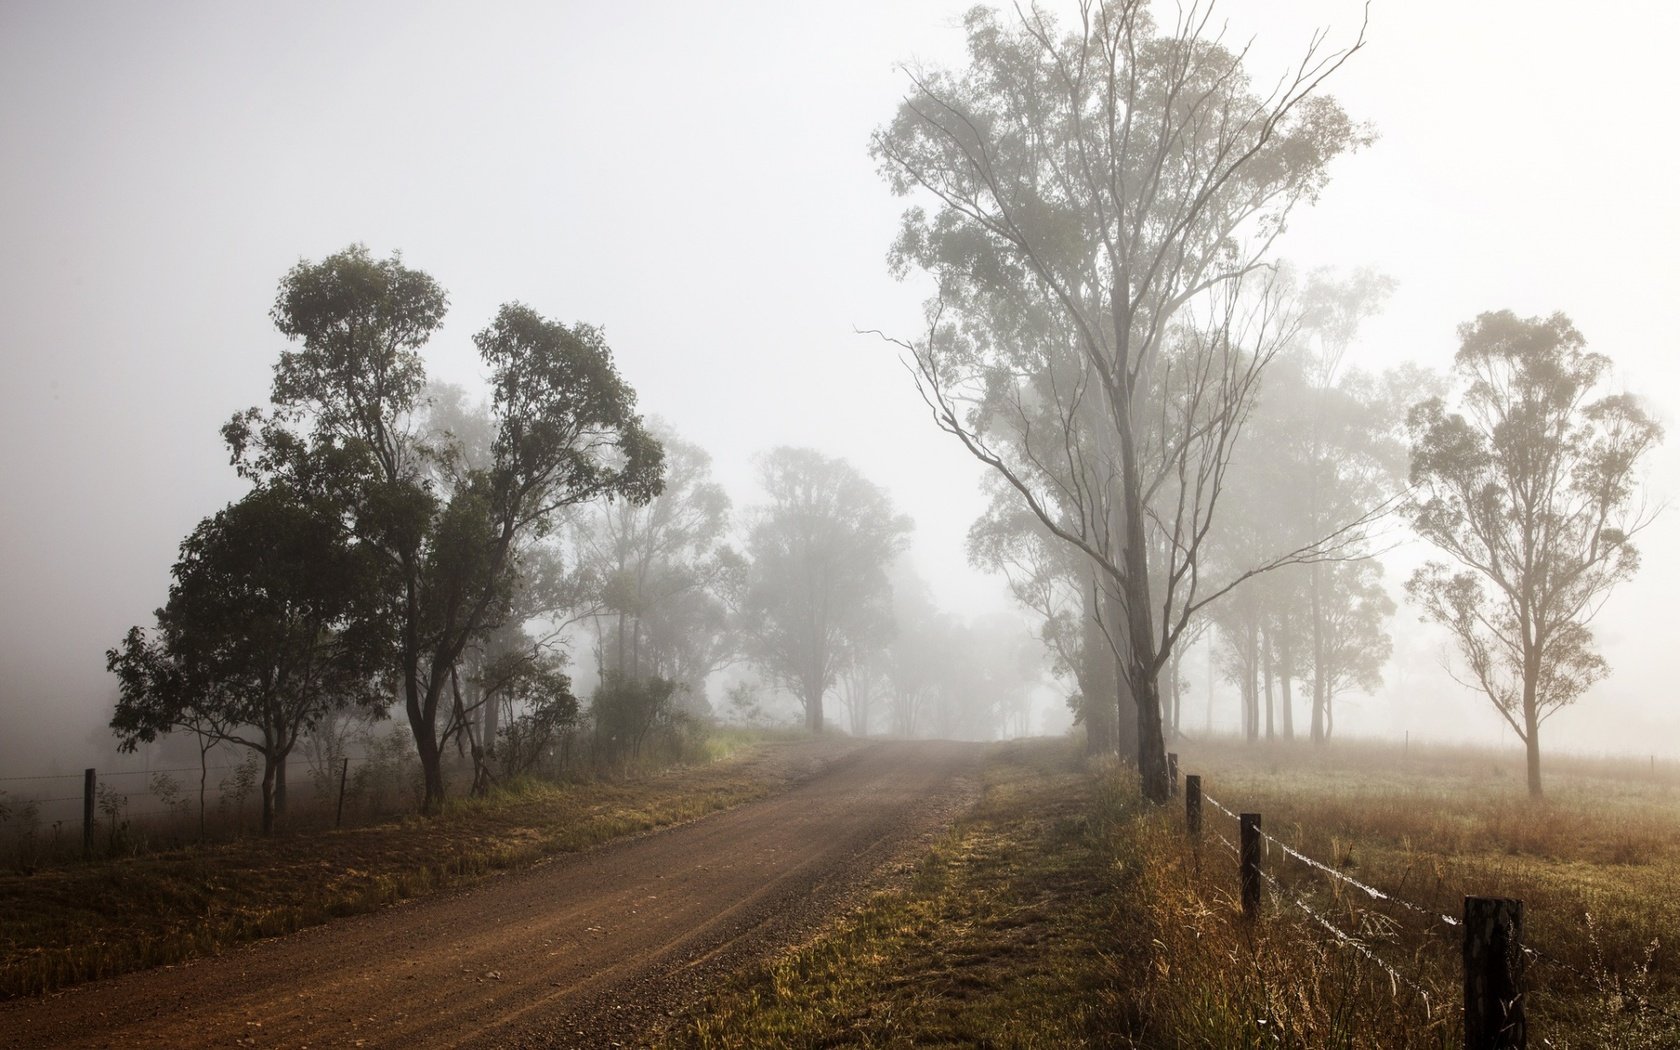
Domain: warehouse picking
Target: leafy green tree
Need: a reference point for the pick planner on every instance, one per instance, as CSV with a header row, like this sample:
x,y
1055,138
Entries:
x,y
536,696
1531,489
1118,186
344,419
816,592
273,622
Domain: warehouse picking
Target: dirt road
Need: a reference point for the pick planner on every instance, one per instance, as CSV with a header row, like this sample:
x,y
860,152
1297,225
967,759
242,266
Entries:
x,y
594,949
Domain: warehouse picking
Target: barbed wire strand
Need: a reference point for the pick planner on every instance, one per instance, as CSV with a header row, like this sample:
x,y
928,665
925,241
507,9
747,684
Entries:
x,y
1377,894
1368,890
1395,976
149,772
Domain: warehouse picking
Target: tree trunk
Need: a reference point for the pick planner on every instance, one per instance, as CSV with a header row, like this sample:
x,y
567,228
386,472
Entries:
x,y
203,780
268,793
1141,687
425,743
280,784
1266,676
1177,691
1531,725
1286,682
813,704
1320,702
492,725
1097,679
1251,680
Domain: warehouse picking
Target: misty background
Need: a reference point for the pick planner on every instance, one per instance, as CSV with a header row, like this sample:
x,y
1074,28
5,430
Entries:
x,y
697,181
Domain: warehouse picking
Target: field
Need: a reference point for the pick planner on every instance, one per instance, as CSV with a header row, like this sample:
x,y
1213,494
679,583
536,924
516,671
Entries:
x,y
71,922
1063,912
1593,863
1059,911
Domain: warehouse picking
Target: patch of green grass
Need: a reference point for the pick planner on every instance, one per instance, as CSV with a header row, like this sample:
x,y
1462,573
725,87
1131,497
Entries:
x,y
80,922
998,938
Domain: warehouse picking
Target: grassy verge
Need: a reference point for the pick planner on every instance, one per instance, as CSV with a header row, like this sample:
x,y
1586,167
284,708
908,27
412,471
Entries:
x,y
1064,913
76,923
1591,863
1014,930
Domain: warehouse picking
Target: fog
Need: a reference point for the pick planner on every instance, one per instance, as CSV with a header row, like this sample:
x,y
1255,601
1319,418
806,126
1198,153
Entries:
x,y
696,180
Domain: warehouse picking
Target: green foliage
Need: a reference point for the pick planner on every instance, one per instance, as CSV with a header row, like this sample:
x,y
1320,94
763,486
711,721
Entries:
x,y
542,698
626,710
452,536
274,620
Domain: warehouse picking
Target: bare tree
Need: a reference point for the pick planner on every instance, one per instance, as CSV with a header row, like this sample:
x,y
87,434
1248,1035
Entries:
x,y
1127,181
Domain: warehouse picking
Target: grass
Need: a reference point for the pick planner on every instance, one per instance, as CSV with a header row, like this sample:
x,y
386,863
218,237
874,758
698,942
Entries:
x,y
1013,930
1593,863
64,925
1063,912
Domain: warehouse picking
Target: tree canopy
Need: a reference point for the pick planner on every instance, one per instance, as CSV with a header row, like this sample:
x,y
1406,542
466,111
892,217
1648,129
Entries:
x,y
817,590
456,544
274,620
1531,489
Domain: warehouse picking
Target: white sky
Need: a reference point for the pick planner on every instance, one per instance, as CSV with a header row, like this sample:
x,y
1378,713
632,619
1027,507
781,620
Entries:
x,y
695,178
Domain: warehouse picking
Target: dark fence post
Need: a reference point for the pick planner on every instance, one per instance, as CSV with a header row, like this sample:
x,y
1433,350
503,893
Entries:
x,y
343,775
1251,865
1193,804
1172,771
89,780
1494,1013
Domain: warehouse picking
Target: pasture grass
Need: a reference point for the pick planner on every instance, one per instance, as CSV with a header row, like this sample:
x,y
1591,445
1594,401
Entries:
x,y
1593,862
1064,912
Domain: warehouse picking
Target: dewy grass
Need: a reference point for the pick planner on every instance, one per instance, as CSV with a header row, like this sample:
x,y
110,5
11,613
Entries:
x,y
994,940
64,925
1592,863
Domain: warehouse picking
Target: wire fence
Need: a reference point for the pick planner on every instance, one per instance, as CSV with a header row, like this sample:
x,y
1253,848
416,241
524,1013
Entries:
x,y
1433,918
50,817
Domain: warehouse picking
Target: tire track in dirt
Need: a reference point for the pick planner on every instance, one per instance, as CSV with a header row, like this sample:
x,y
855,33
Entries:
x,y
594,949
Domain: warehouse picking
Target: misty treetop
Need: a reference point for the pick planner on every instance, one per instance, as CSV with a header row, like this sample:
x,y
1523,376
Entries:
x,y
1531,488
816,589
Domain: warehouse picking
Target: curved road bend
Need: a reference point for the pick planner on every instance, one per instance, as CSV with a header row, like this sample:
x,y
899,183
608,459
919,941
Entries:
x,y
592,949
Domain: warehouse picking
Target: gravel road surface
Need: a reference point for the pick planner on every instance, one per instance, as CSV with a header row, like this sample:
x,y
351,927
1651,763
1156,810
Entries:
x,y
593,949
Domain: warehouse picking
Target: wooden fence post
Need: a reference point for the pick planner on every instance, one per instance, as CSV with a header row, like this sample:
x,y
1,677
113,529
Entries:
x,y
343,775
1250,857
1494,1014
89,781
1172,771
1193,804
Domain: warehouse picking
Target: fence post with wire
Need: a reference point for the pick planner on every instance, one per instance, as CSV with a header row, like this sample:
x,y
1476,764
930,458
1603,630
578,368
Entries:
x,y
1495,1015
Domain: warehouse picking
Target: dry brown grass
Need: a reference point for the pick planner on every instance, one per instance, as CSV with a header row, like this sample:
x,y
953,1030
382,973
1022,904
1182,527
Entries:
x,y
63,925
1593,863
